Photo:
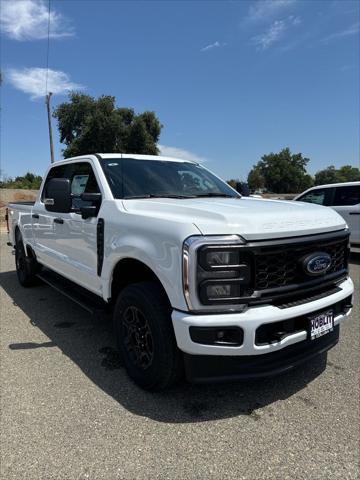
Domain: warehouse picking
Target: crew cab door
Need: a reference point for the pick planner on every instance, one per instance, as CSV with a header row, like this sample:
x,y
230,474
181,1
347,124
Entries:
x,y
67,242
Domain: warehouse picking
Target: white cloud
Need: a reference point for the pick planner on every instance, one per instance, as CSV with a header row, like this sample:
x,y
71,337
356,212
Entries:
x,y
28,20
294,20
352,30
272,35
213,45
267,9
175,152
275,32
33,81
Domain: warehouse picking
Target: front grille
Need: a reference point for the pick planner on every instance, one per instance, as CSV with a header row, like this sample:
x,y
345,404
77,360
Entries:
x,y
280,266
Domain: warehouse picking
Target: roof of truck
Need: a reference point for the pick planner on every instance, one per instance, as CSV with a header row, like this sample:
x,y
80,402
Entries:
x,y
126,155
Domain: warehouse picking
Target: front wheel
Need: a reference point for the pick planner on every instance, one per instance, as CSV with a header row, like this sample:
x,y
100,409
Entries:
x,y
145,337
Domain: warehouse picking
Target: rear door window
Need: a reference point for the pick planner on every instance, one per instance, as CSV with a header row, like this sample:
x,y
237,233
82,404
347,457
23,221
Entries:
x,y
347,195
319,196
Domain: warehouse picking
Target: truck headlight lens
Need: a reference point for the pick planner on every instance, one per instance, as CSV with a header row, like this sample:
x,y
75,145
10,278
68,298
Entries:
x,y
216,273
214,257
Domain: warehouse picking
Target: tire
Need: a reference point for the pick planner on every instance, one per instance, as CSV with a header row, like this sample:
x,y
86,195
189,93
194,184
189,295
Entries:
x,y
145,336
26,268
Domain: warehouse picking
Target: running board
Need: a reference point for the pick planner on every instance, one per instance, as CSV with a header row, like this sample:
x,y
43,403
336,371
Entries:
x,y
82,297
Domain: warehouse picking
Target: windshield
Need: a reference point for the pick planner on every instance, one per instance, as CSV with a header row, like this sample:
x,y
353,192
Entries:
x,y
132,178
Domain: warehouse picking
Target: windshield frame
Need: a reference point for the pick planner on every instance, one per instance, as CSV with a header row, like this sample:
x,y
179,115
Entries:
x,y
119,193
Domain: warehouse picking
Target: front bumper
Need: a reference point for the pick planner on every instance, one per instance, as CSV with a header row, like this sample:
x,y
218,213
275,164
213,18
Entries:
x,y
210,368
250,320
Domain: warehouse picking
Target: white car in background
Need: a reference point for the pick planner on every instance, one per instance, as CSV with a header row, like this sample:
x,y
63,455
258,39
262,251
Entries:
x,y
342,197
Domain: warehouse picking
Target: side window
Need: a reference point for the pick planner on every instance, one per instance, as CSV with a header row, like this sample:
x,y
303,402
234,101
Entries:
x,y
82,178
55,172
319,196
347,195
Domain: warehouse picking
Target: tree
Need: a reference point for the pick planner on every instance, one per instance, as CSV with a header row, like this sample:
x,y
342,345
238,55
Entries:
x,y
346,173
233,182
328,175
255,179
281,172
90,125
30,181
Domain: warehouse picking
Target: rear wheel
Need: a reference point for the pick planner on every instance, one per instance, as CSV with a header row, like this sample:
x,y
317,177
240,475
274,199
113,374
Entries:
x,y
26,268
145,337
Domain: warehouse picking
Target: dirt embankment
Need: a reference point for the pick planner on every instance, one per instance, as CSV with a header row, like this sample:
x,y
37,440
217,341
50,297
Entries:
x,y
8,195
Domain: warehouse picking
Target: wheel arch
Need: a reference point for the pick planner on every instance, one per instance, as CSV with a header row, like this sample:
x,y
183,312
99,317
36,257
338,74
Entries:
x,y
128,271
28,248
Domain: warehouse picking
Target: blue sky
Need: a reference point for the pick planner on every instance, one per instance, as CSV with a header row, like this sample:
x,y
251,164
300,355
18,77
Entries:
x,y
229,80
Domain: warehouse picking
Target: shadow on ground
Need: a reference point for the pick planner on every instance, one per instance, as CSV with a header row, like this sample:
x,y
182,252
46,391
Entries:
x,y
88,342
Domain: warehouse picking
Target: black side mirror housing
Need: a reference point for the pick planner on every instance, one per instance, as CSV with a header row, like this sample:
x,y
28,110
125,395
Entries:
x,y
91,197
90,210
58,195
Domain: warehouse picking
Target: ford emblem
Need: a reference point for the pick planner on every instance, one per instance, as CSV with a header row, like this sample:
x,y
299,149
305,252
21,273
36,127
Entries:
x,y
317,263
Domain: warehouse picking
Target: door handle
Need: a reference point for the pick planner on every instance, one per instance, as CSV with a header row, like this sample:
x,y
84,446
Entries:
x,y
354,213
35,215
58,220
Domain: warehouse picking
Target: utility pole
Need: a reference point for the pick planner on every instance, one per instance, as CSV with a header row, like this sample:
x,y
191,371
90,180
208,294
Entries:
x,y
47,101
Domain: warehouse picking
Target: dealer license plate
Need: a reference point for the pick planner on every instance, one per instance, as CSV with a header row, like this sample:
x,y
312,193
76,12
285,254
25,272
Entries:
x,y
321,324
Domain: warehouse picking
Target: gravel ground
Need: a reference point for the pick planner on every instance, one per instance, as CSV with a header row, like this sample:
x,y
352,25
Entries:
x,y
68,410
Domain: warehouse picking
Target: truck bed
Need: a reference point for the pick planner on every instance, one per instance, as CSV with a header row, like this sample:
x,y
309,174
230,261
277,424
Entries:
x,y
31,204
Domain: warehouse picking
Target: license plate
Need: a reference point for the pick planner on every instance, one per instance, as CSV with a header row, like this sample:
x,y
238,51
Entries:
x,y
321,324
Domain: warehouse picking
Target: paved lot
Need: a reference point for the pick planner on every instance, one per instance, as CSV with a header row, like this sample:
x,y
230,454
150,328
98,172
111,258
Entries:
x,y
69,411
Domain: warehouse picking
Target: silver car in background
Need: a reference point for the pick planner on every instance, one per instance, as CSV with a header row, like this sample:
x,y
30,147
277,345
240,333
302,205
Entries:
x,y
342,197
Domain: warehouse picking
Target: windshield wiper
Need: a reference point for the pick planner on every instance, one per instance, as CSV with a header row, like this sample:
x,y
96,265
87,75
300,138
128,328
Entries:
x,y
215,194
150,195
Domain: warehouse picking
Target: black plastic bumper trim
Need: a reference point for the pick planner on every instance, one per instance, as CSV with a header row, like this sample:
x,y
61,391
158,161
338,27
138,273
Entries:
x,y
211,368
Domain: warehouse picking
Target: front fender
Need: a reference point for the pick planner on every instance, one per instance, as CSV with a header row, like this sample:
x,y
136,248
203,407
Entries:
x,y
152,242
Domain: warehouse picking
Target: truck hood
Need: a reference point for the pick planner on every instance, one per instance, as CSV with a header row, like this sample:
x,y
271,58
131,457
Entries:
x,y
252,218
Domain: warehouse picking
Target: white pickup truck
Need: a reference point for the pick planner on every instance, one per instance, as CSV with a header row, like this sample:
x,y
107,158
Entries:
x,y
199,279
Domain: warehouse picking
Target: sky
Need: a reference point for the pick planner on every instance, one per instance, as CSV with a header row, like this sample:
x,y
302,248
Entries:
x,y
229,80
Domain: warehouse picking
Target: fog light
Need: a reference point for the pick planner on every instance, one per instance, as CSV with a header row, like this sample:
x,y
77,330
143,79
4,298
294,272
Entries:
x,y
225,336
215,291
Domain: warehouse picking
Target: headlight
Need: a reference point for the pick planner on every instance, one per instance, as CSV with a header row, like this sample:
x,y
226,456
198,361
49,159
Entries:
x,y
215,257
216,273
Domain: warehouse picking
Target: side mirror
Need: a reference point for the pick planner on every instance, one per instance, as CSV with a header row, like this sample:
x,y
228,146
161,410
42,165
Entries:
x,y
90,210
58,195
91,197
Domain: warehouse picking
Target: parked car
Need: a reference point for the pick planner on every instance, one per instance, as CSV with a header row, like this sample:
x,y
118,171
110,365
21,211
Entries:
x,y
199,278
343,198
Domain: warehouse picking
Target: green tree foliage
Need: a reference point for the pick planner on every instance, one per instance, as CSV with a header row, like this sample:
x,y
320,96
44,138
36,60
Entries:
x,y
29,181
346,173
90,125
281,172
239,186
233,182
256,180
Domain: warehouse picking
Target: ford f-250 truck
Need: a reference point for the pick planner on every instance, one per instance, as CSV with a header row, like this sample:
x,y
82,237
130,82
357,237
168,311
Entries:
x,y
199,279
